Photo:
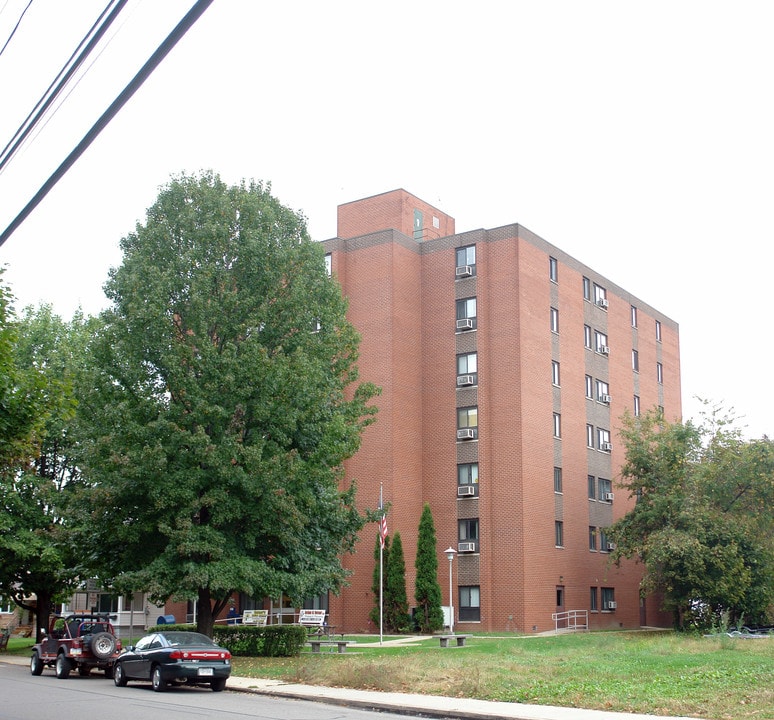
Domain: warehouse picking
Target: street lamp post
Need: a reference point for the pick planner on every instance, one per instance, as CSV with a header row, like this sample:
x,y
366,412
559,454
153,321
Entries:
x,y
450,553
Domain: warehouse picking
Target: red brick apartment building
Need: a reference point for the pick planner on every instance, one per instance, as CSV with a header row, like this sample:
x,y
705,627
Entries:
x,y
505,365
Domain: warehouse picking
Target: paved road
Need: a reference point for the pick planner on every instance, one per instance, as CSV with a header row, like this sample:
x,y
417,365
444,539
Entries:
x,y
24,697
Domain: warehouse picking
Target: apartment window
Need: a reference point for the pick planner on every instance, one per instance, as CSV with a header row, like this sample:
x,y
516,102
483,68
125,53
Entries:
x,y
603,439
466,314
555,373
557,479
600,342
600,295
592,482
592,539
328,264
559,597
603,391
107,603
470,603
658,330
586,289
557,425
554,320
553,269
593,600
604,543
635,360
659,372
135,601
467,423
6,607
636,406
467,474
634,316
466,261
587,336
419,224
467,530
589,386
608,599
467,369
559,533
605,489
589,435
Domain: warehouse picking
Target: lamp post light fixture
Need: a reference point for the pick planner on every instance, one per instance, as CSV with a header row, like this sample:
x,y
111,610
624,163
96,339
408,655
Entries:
x,y
450,553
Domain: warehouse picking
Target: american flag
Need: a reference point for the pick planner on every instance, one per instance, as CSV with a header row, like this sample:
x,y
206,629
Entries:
x,y
383,529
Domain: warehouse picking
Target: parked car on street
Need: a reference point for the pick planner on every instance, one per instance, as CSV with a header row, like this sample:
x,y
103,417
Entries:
x,y
174,657
79,641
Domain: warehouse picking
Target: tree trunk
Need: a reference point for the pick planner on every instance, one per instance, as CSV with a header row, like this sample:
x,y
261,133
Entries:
x,y
204,618
42,612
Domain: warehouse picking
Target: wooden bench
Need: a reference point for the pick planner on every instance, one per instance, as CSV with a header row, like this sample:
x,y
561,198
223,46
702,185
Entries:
x,y
316,645
459,638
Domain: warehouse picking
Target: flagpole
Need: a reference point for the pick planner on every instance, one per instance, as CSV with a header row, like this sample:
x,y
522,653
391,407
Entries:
x,y
381,568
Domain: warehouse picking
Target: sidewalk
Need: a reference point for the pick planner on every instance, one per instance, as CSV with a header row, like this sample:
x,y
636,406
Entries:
x,y
408,704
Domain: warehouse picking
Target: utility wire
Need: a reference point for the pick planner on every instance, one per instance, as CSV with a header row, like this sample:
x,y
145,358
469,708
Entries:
x,y
15,28
63,78
161,52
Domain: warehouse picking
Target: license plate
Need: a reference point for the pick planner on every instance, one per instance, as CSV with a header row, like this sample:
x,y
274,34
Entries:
x,y
205,672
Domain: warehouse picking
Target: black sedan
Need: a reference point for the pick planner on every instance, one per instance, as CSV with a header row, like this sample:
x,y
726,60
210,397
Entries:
x,y
174,657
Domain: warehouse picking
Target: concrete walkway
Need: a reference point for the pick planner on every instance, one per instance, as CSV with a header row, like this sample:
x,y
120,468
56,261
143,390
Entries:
x,y
407,703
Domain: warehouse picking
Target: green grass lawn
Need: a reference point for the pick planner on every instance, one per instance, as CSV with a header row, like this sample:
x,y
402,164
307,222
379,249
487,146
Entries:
x,y
657,673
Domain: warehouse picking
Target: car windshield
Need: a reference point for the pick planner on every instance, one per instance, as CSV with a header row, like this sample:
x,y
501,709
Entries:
x,y
183,639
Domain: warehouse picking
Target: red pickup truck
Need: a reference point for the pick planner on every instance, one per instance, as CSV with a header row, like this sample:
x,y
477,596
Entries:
x,y
79,641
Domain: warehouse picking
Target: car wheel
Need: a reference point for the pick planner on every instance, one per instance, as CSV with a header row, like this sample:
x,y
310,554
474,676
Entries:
x,y
36,664
119,676
218,684
159,683
63,666
102,645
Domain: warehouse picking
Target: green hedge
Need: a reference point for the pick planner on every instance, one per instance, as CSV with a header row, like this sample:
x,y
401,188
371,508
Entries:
x,y
252,641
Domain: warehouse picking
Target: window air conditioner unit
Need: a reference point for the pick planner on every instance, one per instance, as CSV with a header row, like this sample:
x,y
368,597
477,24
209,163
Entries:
x,y
607,447
463,271
464,380
604,349
612,605
609,496
611,546
465,490
466,547
465,324
605,399
602,302
465,434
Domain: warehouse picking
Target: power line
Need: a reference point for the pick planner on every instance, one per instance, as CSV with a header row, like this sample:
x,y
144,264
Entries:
x,y
161,52
16,27
63,78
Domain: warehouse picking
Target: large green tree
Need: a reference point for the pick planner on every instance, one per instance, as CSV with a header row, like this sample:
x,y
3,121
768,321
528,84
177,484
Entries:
x,y
224,404
427,590
703,518
37,566
396,614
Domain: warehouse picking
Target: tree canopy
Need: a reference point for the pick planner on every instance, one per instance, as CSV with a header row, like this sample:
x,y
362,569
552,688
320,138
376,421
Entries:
x,y
37,404
703,518
224,403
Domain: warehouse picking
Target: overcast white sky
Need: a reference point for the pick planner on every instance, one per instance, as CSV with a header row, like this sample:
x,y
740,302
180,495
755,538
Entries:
x,y
637,137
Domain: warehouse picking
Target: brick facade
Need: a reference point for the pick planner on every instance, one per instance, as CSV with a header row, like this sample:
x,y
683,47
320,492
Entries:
x,y
395,258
